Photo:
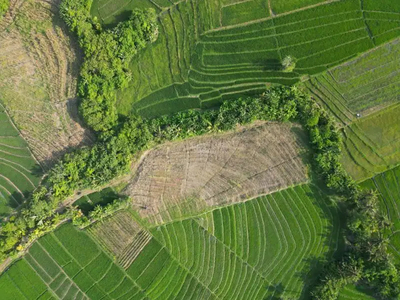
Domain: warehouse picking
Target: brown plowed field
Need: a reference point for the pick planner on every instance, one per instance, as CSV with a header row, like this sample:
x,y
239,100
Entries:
x,y
178,179
39,67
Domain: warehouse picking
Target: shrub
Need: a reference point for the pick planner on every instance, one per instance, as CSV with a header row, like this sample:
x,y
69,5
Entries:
x,y
288,64
4,5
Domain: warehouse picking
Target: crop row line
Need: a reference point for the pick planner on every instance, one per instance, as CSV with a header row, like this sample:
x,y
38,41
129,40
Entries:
x,y
279,34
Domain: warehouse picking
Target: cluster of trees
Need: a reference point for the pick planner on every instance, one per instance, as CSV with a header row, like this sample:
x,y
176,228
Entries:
x,y
37,217
4,5
107,57
366,259
98,213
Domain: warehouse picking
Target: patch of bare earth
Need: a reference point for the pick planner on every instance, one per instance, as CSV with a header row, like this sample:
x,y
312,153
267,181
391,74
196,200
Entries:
x,y
39,66
179,179
121,236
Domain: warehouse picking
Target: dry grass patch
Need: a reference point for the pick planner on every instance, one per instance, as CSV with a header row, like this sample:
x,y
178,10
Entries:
x,y
179,179
121,236
39,66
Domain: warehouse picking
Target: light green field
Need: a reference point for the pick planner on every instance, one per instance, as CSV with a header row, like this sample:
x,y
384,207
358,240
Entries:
x,y
279,6
260,249
208,51
372,144
363,85
22,282
19,172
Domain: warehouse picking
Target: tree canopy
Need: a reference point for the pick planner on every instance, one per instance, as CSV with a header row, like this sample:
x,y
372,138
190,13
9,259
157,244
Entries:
x,y
107,56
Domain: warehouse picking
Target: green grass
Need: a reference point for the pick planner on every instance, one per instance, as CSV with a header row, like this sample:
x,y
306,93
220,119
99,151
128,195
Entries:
x,y
223,49
21,282
279,6
372,144
242,251
19,172
242,12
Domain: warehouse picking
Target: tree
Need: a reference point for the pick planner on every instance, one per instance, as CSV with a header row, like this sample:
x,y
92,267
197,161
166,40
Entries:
x,y
288,63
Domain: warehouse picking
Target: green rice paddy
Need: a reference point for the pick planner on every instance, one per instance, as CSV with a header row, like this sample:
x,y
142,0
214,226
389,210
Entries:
x,y
260,249
19,172
209,51
372,144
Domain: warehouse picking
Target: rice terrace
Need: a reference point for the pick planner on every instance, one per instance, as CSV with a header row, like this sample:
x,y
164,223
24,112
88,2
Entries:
x,y
199,149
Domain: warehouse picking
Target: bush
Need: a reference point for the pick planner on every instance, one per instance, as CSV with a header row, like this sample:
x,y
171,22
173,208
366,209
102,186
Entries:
x,y
288,64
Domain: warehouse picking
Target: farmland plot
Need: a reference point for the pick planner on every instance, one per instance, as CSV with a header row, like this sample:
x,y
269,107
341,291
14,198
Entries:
x,y
363,85
19,172
21,282
72,265
271,238
252,250
121,236
217,50
372,144
39,66
181,179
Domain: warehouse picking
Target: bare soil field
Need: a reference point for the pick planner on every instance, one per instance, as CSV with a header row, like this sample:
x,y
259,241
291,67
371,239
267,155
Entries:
x,y
39,66
121,236
177,179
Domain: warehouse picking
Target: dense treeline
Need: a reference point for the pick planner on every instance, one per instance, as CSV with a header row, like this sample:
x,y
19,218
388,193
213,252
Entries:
x,y
107,56
4,5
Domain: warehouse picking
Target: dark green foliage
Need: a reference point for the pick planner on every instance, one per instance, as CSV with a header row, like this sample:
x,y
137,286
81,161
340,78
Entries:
x,y
107,57
338,274
4,4
98,213
366,259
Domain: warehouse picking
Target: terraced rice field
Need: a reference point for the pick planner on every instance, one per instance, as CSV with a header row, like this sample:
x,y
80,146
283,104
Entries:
x,y
387,185
372,143
181,179
221,49
242,251
39,66
362,85
22,282
19,172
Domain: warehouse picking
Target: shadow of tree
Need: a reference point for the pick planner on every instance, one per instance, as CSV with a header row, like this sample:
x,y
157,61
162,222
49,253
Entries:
x,y
270,65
